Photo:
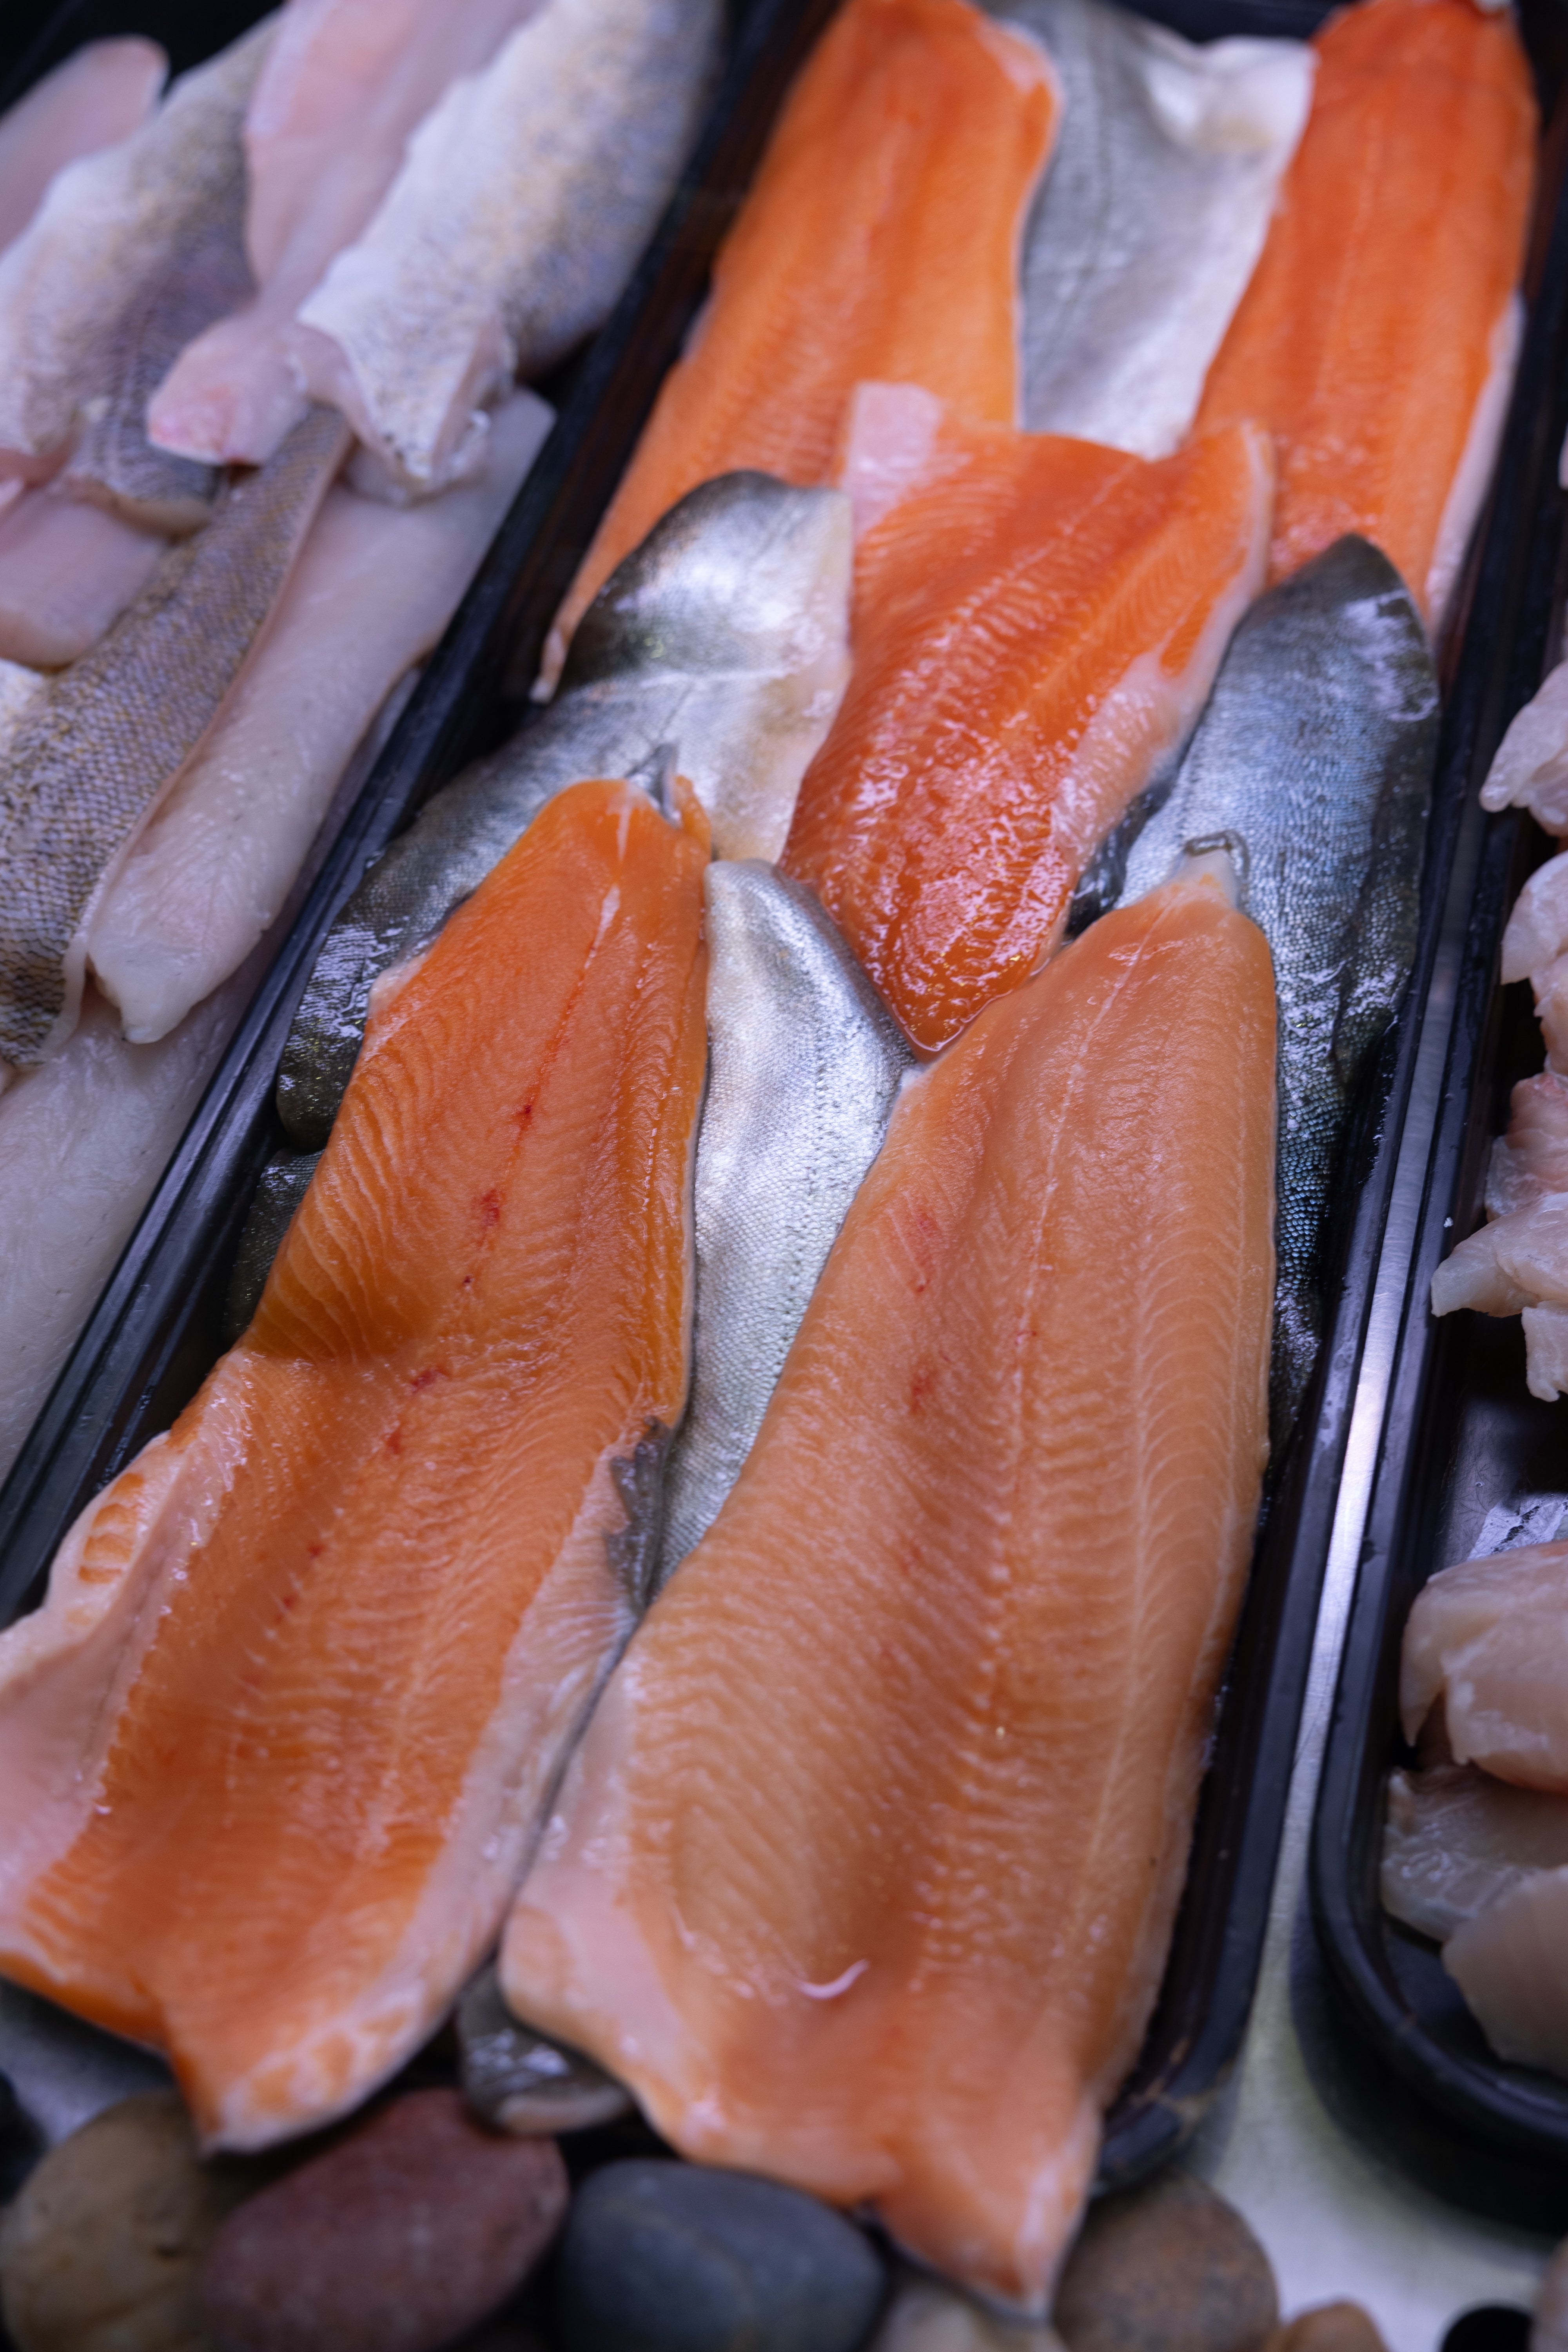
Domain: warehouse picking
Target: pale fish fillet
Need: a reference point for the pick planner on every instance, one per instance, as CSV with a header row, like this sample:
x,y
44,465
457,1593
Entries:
x,y
804,1065
373,590
344,84
1530,770
1151,215
545,174
1531,1160
1456,1839
97,98
67,573
86,769
83,1140
1537,932
1510,1962
1490,1639
108,225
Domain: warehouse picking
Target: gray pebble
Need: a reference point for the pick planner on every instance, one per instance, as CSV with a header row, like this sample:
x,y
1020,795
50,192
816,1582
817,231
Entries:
x,y
666,2257
520,2082
1169,2267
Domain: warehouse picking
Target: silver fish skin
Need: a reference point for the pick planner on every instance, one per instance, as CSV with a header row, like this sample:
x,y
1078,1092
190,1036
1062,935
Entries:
x,y
1150,216
91,757
805,1066
724,638
1313,759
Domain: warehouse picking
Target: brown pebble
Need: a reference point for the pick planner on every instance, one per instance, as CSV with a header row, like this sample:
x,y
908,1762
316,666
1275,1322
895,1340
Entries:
x,y
400,2238
103,2249
1169,2267
1549,2332
1329,2327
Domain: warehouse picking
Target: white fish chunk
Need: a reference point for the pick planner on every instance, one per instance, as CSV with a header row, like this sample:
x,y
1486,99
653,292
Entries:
x,y
1150,218
101,93
67,573
373,590
1545,1351
108,225
1456,1839
1490,1639
344,84
1537,932
1530,770
1531,1160
527,195
1510,1962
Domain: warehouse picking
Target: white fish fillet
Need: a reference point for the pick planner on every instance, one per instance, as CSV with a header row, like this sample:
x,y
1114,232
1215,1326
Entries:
x,y
67,572
345,83
526,197
1531,1160
1530,770
1537,932
371,592
1490,1639
1510,1962
107,223
101,93
1456,1839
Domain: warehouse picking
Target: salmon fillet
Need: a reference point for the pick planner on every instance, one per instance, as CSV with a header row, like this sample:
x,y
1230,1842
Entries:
x,y
880,239
275,1747
864,1874
1037,622
1376,340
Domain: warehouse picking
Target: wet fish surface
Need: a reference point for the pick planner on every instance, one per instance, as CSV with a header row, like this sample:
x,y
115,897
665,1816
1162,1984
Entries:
x,y
1150,218
1317,750
88,766
1456,1839
724,638
805,1066
101,93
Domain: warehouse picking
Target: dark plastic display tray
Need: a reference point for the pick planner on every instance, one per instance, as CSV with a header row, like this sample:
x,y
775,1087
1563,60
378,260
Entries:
x,y
157,1329
1460,1434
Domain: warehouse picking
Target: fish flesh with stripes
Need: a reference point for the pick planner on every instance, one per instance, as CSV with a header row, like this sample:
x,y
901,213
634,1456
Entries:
x,y
283,1728
101,94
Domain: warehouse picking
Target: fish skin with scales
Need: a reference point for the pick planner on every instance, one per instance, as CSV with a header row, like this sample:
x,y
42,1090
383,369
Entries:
x,y
724,637
1316,752
805,1066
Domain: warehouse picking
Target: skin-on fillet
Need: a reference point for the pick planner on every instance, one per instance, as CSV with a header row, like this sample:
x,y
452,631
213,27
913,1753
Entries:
x,y
864,1874
1037,622
96,99
1377,339
344,84
282,1730
880,240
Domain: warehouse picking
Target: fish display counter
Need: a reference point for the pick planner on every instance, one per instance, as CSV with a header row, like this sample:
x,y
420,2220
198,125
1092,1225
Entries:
x,y
658,1628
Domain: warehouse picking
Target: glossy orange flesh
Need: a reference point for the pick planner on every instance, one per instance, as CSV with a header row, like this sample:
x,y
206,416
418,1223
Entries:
x,y
280,1737
1037,623
864,1874
1366,338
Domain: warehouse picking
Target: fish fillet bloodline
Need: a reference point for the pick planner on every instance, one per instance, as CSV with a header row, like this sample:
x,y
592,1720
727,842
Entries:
x,y
275,1748
864,1874
1038,621
880,241
1376,341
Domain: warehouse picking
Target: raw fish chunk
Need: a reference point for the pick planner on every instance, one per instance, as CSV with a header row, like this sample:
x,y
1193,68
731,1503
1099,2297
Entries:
x,y
101,93
1510,1962
344,84
281,1732
1456,1839
1037,622
1153,214
879,241
545,174
864,1874
1545,1351
1537,932
374,588
1530,770
67,573
1476,1272
1490,1639
1531,1160
1377,337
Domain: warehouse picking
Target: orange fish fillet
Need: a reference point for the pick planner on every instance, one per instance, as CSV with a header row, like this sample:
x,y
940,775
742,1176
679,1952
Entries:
x,y
1376,341
274,1750
864,1874
1037,623
880,239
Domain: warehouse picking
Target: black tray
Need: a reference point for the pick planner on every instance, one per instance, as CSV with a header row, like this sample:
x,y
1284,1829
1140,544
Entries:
x,y
158,1328
1460,1435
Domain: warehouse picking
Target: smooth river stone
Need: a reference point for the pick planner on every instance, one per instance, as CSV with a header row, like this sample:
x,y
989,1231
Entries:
x,y
400,2237
21,2144
520,2082
1169,2267
1329,2327
666,2257
927,2317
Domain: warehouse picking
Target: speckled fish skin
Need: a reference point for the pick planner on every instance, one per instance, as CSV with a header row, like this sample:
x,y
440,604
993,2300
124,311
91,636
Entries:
x,y
724,637
1150,218
805,1066
109,227
546,173
1317,750
113,731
